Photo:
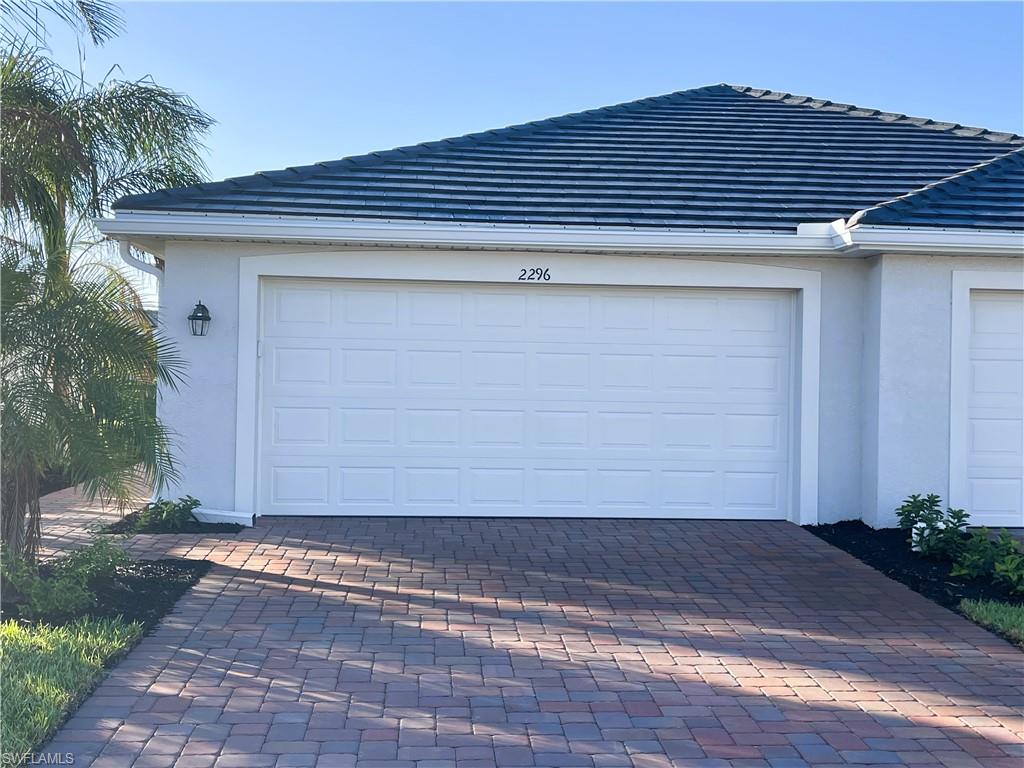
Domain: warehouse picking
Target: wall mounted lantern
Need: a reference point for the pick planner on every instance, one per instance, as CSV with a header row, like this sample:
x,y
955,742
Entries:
x,y
199,320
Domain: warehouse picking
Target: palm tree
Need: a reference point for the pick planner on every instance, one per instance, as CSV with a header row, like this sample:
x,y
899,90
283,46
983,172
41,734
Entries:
x,y
99,19
79,370
80,360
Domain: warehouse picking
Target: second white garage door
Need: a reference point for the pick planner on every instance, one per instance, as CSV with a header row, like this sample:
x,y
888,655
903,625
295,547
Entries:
x,y
443,399
995,409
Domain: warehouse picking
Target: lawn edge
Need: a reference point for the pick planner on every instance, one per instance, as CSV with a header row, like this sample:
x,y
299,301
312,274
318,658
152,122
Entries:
x,y
958,610
110,663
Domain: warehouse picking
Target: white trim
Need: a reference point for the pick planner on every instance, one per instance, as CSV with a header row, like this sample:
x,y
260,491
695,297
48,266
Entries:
x,y
970,242
566,269
206,515
965,281
810,239
308,229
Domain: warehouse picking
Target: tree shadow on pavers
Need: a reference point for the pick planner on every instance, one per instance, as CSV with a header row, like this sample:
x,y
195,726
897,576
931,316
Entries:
x,y
347,626
752,578
622,680
315,641
808,646
774,573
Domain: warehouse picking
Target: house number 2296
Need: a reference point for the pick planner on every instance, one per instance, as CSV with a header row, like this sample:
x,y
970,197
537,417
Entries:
x,y
534,274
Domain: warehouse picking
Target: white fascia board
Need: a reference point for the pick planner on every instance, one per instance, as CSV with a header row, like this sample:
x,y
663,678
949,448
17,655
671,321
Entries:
x,y
812,239
970,242
127,224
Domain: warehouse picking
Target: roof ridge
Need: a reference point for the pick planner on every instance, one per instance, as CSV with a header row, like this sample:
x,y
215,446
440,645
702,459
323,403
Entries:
x,y
969,177
298,172
889,117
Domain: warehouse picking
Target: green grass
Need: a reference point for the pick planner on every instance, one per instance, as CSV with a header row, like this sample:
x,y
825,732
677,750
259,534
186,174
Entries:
x,y
46,671
1004,618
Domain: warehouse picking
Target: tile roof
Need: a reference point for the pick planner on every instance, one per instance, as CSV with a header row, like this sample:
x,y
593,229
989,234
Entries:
x,y
989,195
717,157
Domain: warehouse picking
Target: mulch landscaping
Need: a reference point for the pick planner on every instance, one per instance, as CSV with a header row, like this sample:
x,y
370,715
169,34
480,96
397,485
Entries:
x,y
142,590
888,550
53,660
131,523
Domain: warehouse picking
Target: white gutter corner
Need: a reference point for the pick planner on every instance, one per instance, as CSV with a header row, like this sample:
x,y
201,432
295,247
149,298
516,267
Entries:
x,y
836,231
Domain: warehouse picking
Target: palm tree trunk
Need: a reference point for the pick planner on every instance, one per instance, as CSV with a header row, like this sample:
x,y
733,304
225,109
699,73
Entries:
x,y
19,511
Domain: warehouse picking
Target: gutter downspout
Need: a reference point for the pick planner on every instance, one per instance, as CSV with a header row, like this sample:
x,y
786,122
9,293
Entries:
x,y
125,251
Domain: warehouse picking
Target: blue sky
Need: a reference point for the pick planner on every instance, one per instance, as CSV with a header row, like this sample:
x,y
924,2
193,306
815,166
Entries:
x,y
294,83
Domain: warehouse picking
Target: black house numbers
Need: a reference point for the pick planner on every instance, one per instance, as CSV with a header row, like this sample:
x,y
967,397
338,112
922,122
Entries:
x,y
534,274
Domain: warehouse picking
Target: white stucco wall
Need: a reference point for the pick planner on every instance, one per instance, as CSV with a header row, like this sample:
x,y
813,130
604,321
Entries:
x,y
883,379
908,445
201,413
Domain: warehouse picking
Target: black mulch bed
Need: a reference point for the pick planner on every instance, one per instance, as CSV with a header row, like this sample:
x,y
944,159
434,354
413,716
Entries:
x,y
888,550
130,524
142,590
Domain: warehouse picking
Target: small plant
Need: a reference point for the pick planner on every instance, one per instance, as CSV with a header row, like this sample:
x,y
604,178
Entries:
x,y
61,596
68,590
948,542
978,557
933,532
981,552
99,560
919,509
1009,570
167,515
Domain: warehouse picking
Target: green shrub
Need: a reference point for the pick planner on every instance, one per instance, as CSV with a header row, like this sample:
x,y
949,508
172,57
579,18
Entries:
x,y
68,589
99,560
981,553
978,557
45,671
1009,570
167,515
919,509
933,532
58,597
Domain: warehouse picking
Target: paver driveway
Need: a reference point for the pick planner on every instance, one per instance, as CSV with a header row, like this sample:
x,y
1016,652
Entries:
x,y
428,643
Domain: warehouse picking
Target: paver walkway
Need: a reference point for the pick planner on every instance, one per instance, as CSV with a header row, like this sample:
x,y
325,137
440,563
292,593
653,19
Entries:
x,y
68,518
427,643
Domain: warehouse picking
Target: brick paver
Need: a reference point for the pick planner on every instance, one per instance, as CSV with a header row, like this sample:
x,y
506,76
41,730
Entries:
x,y
424,643
68,518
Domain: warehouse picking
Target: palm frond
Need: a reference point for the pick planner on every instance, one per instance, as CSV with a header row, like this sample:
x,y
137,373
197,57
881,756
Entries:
x,y
99,19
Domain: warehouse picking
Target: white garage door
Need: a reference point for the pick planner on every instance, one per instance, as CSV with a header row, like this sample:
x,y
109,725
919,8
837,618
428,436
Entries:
x,y
476,399
995,430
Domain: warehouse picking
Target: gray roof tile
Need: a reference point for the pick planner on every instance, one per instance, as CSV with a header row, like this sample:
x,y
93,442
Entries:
x,y
989,195
721,156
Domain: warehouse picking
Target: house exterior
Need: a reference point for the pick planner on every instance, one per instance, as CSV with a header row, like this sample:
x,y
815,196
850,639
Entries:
x,y
720,303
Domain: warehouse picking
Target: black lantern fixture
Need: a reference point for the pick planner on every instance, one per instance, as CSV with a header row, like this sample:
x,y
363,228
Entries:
x,y
199,320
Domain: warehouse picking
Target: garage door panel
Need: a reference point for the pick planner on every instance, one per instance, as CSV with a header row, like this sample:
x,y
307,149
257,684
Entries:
x,y
491,427
995,413
360,371
453,399
474,487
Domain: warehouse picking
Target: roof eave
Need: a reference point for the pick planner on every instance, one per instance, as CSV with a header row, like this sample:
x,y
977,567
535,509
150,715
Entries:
x,y
936,240
817,239
149,225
